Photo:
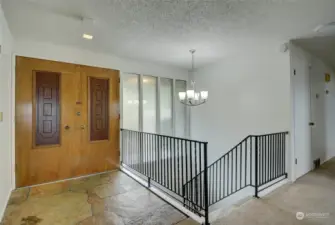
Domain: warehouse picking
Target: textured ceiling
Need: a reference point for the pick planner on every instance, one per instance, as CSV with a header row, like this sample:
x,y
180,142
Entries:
x,y
164,30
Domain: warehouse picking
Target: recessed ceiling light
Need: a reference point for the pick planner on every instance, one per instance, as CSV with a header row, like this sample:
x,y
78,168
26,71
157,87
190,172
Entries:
x,y
88,36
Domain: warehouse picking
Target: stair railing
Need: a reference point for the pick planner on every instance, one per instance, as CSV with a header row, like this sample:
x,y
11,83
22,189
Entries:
x,y
179,167
258,161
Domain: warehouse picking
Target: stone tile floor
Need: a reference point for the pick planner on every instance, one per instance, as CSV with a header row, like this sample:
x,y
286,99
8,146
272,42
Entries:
x,y
105,199
116,199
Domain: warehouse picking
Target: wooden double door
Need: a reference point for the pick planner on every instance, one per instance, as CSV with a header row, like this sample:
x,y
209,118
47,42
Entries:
x,y
66,120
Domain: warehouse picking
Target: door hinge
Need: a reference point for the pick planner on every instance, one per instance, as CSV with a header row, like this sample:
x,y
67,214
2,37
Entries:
x,y
294,72
296,161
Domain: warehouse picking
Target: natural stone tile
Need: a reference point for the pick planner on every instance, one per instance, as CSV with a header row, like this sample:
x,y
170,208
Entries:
x,y
164,215
107,218
257,212
188,221
86,184
18,196
63,209
110,189
49,189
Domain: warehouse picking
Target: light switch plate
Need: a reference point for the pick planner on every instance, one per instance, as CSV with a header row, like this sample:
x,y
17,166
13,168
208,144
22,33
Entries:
x,y
1,115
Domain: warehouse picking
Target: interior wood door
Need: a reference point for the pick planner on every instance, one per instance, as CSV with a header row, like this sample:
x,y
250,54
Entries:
x,y
51,124
99,126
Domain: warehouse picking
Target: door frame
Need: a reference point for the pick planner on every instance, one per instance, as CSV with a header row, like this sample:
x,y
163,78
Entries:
x,y
296,52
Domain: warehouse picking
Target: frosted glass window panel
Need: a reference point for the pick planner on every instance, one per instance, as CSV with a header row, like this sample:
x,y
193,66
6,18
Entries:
x,y
131,109
181,113
149,103
166,93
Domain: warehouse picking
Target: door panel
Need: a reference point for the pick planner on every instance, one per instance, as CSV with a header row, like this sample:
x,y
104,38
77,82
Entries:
x,y
98,108
46,108
302,132
44,159
102,154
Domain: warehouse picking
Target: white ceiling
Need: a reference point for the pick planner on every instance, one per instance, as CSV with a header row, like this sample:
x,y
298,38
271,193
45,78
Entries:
x,y
164,30
323,47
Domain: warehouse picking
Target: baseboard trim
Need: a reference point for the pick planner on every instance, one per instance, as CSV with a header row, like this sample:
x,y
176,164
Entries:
x,y
68,179
3,209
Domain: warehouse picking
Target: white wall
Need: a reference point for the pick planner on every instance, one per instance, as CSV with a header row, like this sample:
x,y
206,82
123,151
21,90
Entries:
x,y
248,94
5,107
84,57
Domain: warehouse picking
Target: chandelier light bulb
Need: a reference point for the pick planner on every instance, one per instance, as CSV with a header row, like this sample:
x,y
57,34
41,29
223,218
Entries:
x,y
196,96
204,95
182,96
190,94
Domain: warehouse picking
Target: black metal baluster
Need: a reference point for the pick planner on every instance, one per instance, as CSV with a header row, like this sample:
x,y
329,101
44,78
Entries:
x,y
274,149
164,162
138,151
272,161
268,158
245,161
240,165
175,166
280,146
263,160
212,184
224,176
167,162
256,166
196,171
178,166
200,174
191,165
284,153
220,181
235,168
171,166
231,171
276,158
186,162
161,158
135,150
144,153
152,156
250,156
216,182
205,189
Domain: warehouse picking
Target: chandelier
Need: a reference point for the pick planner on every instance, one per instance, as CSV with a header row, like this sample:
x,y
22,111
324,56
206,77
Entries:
x,y
191,97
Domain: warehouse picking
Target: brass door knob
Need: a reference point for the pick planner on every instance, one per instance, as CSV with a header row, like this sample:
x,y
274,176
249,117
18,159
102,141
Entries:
x,y
82,127
67,127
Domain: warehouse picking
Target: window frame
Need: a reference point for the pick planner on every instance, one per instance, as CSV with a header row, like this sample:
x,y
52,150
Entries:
x,y
158,111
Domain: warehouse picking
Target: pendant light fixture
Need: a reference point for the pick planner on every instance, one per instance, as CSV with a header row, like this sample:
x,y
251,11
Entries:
x,y
191,97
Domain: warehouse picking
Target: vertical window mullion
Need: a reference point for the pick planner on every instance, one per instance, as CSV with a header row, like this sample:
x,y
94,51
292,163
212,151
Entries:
x,y
140,83
158,106
174,107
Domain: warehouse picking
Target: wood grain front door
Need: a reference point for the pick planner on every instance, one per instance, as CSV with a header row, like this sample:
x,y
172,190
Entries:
x,y
66,120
